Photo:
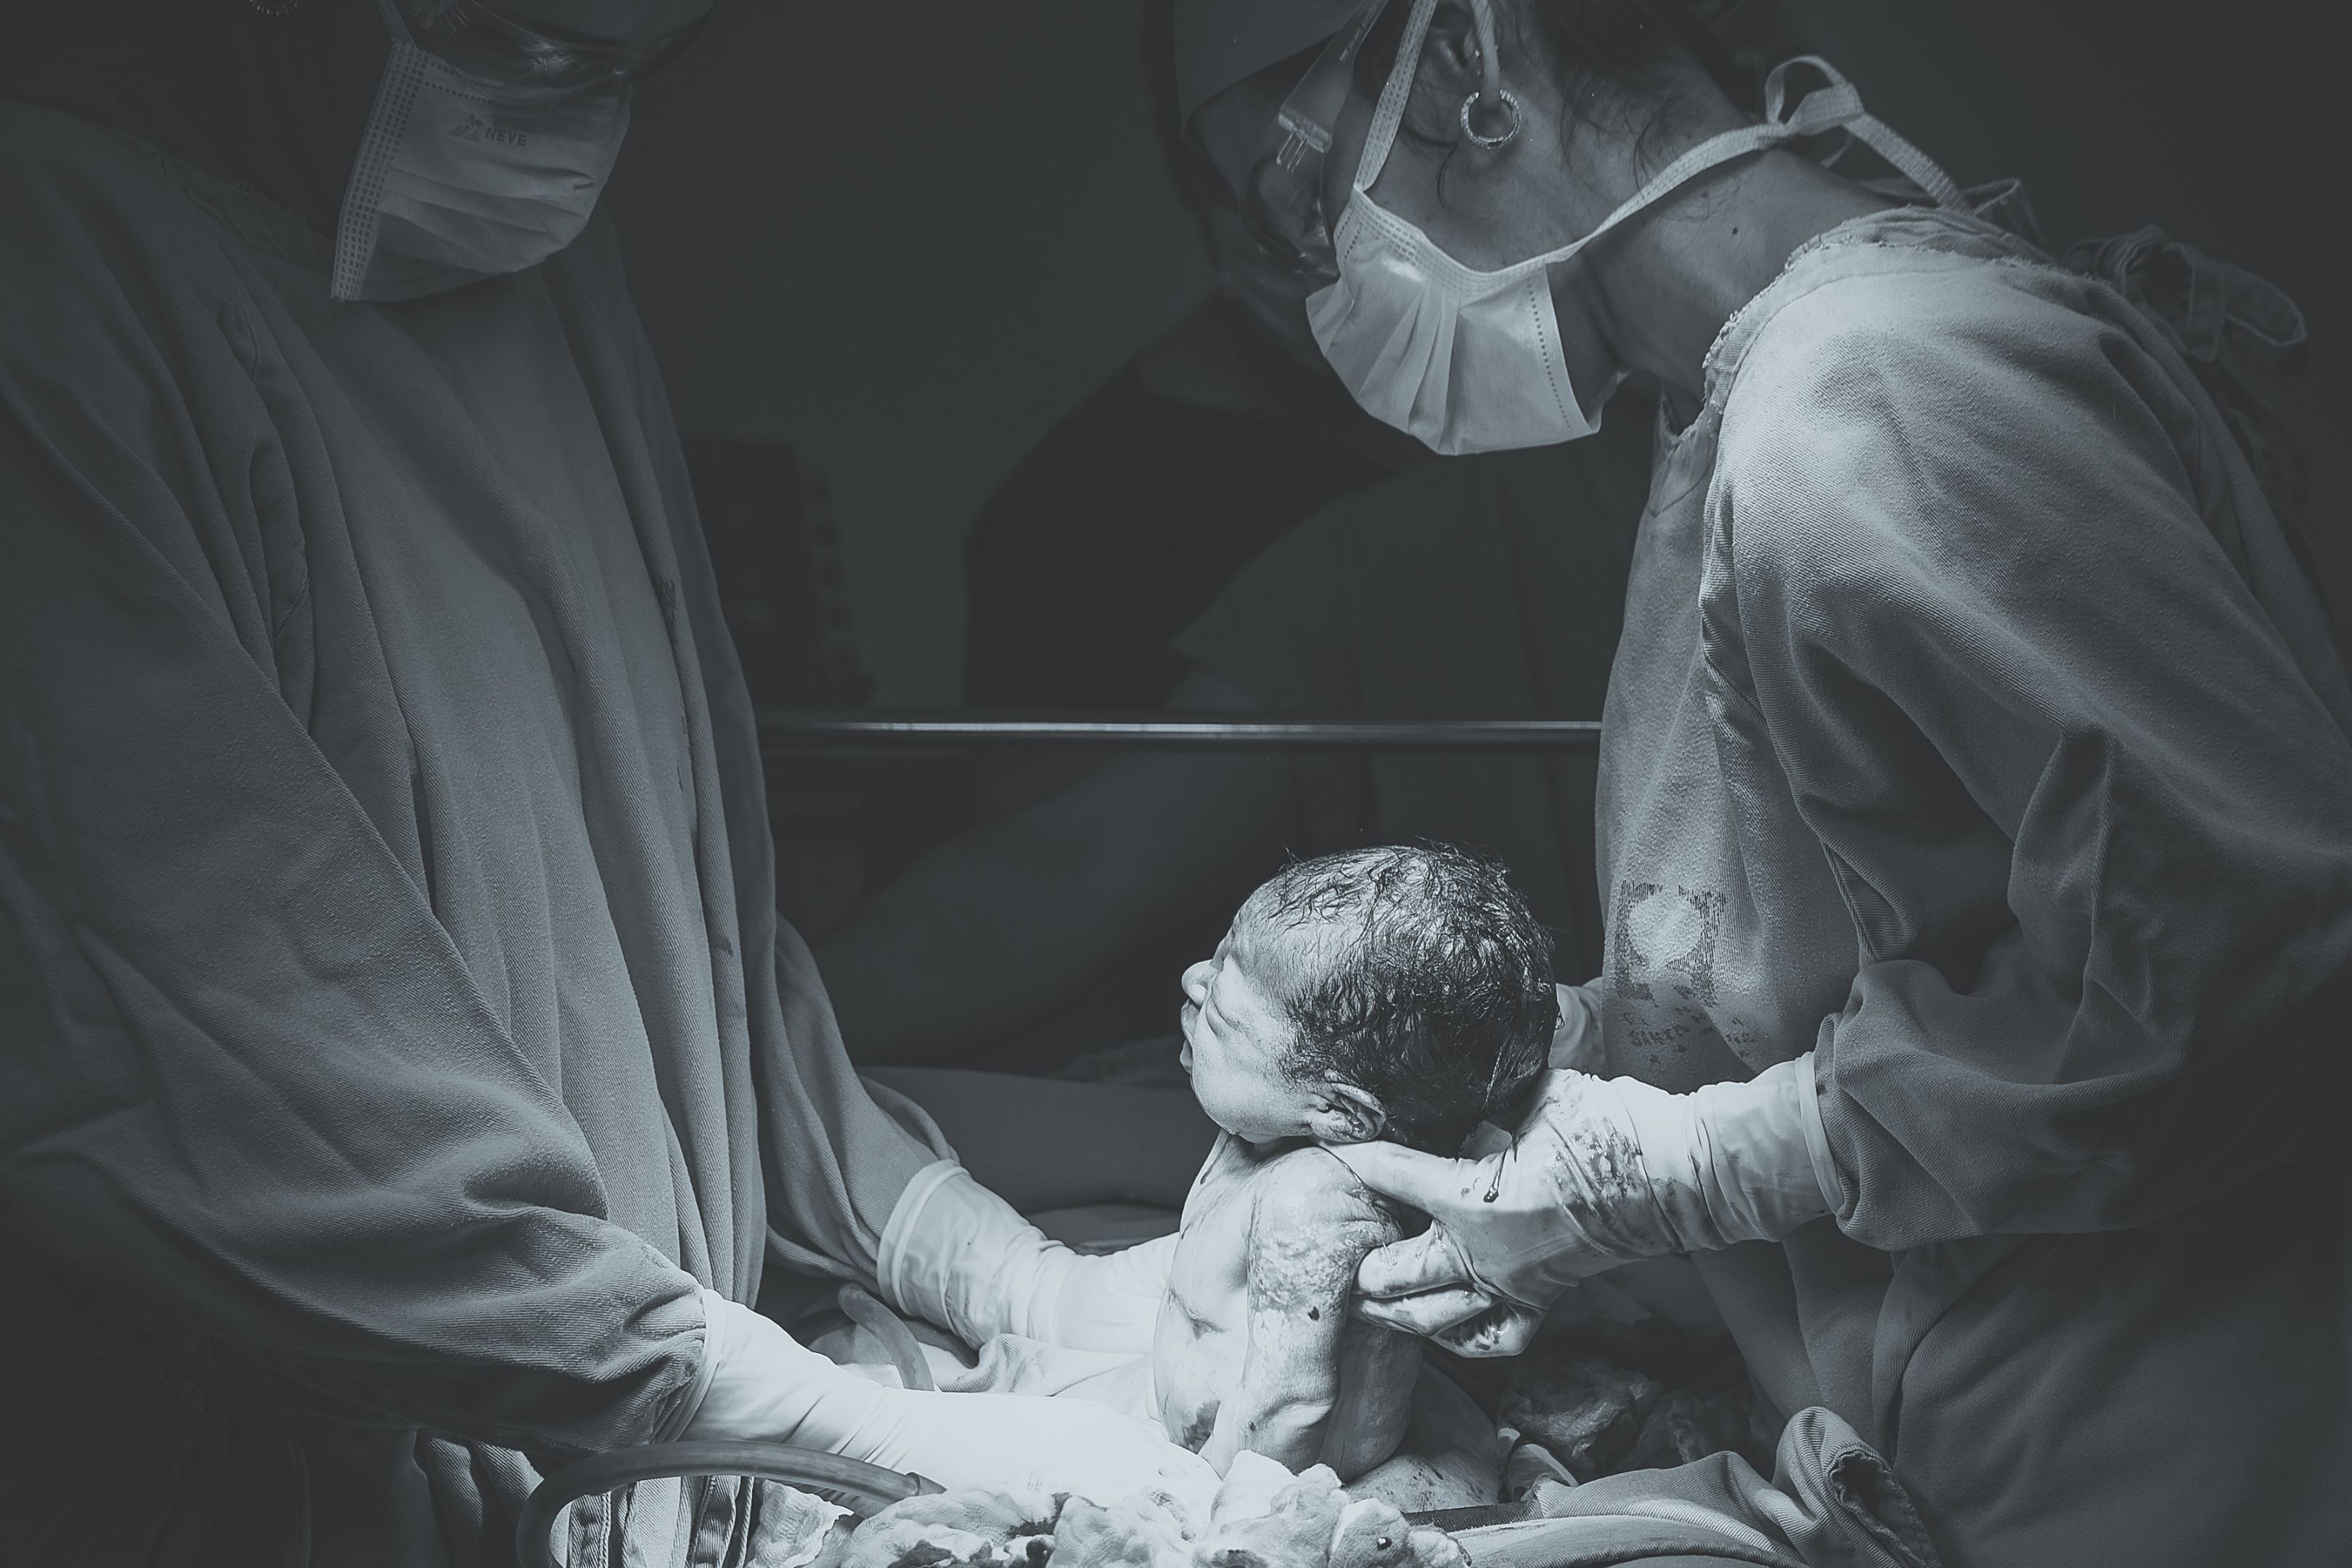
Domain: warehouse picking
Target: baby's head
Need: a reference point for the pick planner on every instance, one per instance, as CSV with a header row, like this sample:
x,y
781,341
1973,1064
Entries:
x,y
1402,992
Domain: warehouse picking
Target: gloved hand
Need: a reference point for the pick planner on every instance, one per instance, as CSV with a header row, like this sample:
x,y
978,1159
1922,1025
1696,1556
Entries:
x,y
760,1384
1603,1172
956,1254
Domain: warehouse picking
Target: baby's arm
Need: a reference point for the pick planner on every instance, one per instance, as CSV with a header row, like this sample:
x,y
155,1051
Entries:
x,y
1311,1225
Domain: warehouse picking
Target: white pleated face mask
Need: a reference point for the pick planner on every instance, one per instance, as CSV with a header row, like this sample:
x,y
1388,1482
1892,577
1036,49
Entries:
x,y
1471,362
457,179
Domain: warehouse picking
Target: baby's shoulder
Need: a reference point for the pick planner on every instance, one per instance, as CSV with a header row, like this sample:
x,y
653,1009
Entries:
x,y
1310,1189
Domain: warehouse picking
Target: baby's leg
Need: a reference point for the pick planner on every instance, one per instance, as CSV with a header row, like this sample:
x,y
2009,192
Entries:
x,y
1451,1457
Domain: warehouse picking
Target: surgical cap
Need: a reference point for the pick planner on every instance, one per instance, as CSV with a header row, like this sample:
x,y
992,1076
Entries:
x,y
1221,42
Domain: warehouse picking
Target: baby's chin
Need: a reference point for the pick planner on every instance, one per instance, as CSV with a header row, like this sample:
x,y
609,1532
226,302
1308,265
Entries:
x,y
1255,1130
1235,1127
1225,1124
1267,1137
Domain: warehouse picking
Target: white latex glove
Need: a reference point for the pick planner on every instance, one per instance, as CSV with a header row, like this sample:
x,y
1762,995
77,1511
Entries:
x,y
762,1385
1603,1172
959,1255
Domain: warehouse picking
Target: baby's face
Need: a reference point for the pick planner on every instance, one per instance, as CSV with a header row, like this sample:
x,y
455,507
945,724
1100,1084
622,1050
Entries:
x,y
1237,1039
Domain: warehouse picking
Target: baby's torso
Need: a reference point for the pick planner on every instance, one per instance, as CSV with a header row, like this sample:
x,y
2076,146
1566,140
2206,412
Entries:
x,y
1201,1350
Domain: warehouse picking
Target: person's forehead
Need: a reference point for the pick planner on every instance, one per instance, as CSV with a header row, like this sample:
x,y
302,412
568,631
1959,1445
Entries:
x,y
613,21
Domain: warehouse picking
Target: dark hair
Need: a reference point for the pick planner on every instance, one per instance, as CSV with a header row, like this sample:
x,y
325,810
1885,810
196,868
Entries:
x,y
1433,991
1624,44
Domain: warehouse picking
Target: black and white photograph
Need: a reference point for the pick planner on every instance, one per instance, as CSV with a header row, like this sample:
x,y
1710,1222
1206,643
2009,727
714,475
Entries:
x,y
1174,783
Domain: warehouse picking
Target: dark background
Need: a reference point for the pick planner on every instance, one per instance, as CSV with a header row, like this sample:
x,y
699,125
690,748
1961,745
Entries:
x,y
906,238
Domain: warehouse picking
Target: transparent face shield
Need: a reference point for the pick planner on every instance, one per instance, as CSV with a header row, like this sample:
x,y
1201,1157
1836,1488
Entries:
x,y
1283,200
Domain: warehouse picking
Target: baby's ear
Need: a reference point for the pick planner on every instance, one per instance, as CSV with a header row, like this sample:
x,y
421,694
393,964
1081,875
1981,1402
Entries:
x,y
1342,1113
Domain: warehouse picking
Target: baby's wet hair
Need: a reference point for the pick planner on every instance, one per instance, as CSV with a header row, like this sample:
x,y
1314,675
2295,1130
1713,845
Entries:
x,y
1422,979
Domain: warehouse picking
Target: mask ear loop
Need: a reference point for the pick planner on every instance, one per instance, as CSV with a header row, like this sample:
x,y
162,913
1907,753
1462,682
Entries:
x,y
1491,90
1390,113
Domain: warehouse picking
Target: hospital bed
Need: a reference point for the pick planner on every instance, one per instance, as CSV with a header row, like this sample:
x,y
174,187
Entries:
x,y
785,731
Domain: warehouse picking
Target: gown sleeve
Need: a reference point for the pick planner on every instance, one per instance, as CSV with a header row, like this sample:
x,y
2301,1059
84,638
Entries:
x,y
835,1150
247,1080
1987,603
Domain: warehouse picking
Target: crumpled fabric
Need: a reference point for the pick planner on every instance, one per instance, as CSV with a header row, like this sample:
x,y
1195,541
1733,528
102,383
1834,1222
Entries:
x,y
1832,1503
2229,326
1263,1515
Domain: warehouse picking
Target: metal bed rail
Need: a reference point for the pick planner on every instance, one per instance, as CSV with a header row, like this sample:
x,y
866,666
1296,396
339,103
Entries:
x,y
798,730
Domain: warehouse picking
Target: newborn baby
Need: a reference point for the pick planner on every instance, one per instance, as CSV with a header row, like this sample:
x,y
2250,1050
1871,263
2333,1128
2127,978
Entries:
x,y
1399,993
1396,993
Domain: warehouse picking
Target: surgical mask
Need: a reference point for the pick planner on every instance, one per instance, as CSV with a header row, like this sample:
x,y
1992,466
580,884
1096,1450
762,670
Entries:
x,y
1473,361
458,179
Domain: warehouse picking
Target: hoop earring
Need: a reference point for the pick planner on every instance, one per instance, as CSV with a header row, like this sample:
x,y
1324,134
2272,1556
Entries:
x,y
1509,101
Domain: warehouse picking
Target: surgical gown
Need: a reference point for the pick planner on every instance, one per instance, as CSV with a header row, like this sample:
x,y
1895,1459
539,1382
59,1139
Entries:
x,y
398,1024
1973,728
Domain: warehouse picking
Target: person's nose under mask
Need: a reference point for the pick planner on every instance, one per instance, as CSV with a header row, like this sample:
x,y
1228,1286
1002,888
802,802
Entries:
x,y
457,179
